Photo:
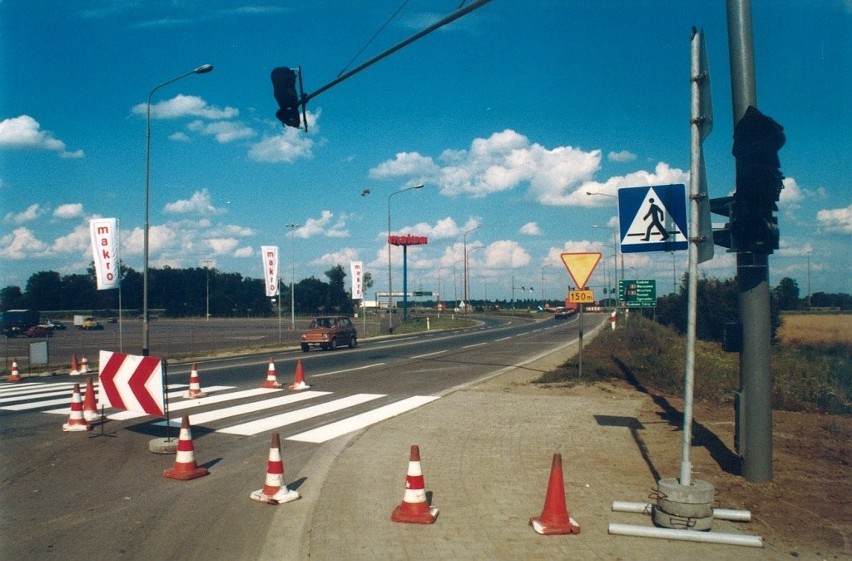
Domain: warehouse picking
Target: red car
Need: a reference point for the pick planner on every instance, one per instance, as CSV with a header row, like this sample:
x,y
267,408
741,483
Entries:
x,y
38,331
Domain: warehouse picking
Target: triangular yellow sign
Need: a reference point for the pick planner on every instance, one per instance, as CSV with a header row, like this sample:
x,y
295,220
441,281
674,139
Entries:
x,y
580,266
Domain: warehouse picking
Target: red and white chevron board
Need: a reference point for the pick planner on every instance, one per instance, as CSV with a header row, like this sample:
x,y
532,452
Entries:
x,y
132,383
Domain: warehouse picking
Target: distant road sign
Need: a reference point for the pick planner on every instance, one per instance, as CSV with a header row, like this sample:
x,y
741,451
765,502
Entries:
x,y
637,293
652,218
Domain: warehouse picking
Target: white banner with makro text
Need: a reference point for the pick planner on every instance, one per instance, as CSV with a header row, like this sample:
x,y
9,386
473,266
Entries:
x,y
270,268
104,233
357,268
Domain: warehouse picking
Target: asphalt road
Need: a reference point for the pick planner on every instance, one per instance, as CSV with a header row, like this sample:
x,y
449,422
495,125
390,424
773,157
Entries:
x,y
102,494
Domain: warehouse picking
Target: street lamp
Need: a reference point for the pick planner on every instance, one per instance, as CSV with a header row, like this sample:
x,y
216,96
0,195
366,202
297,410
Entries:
x,y
203,69
465,290
390,277
293,274
543,298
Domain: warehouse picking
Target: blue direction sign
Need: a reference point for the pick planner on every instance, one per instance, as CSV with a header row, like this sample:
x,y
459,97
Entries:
x,y
653,218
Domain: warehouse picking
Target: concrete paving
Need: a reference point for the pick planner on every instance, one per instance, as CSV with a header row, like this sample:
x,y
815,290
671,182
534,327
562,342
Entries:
x,y
486,453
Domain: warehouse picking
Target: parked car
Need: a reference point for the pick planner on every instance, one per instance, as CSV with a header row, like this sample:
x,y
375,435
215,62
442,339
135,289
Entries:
x,y
328,333
38,331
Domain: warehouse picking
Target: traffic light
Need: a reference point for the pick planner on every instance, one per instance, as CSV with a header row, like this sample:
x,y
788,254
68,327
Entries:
x,y
284,90
757,139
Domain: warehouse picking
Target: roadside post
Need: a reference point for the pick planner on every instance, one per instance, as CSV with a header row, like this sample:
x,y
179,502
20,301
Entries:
x,y
580,267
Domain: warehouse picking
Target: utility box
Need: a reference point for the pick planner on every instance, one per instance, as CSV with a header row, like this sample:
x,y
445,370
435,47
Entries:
x,y
732,341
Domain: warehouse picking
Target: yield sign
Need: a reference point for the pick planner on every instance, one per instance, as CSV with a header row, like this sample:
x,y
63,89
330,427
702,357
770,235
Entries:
x,y
132,383
580,266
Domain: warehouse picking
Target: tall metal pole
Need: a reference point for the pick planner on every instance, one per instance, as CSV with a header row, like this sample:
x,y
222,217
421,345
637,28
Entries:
x,y
754,400
465,287
203,69
206,264
292,274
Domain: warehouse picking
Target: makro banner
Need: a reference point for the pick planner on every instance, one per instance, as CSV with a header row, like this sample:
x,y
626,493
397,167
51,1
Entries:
x,y
104,233
270,268
357,269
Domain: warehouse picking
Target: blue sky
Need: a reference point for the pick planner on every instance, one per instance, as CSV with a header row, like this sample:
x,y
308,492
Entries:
x,y
508,117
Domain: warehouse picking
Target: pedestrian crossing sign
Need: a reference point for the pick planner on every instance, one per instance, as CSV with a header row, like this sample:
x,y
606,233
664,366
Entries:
x,y
653,218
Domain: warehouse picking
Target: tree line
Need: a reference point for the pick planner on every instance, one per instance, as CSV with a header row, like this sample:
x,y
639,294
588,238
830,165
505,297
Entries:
x,y
718,305
180,293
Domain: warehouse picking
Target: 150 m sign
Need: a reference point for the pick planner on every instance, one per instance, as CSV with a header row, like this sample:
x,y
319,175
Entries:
x,y
581,296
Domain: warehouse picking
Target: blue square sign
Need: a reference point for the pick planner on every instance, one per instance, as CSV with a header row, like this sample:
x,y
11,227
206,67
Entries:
x,y
653,218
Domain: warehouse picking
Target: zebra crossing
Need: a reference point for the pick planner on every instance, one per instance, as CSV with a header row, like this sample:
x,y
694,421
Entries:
x,y
233,413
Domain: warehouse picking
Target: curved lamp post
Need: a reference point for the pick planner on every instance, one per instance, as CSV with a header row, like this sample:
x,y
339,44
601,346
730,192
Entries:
x,y
390,277
203,69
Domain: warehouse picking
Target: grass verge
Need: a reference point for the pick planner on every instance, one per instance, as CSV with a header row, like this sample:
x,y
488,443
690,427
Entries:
x,y
643,351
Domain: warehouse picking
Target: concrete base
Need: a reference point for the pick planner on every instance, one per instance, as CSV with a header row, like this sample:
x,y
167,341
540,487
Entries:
x,y
163,445
684,506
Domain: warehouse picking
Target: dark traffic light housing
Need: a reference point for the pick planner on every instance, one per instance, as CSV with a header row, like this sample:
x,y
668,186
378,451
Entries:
x,y
289,101
752,225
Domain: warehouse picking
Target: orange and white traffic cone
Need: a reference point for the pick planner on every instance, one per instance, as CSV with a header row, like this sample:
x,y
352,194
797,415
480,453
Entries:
x,y
194,385
299,378
76,421
554,517
274,491
185,467
414,508
74,370
84,365
14,376
90,406
271,379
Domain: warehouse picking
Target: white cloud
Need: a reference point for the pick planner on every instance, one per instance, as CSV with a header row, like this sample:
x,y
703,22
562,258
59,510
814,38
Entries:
x,y
222,246
341,257
24,133
69,210
530,229
323,226
622,156
185,106
836,220
223,131
77,241
507,160
506,254
199,203
286,147
246,251
31,213
22,244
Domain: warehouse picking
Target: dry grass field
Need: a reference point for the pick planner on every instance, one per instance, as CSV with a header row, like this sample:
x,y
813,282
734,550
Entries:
x,y
825,331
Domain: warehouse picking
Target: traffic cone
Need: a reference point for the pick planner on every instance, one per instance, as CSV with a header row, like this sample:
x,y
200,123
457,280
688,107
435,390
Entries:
x,y
76,421
274,491
414,508
185,467
14,376
299,378
90,407
271,380
554,517
194,385
84,365
74,370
